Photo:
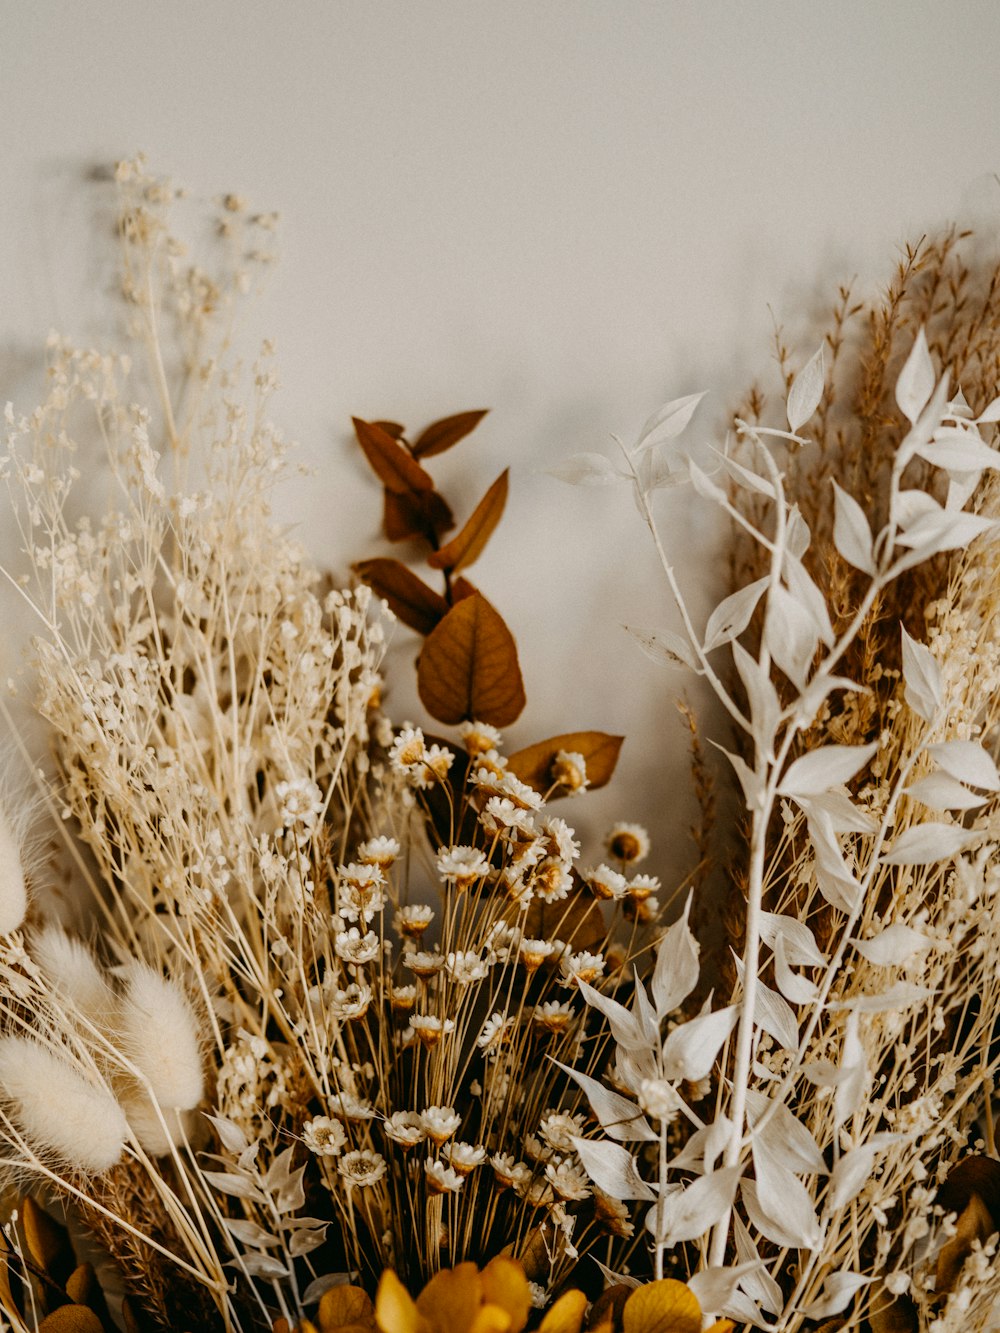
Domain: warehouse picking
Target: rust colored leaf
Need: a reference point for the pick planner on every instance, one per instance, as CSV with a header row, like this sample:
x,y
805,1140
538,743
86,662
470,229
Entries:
x,y
441,435
462,588
392,464
607,1308
975,1223
534,764
666,1306
416,514
467,545
345,1307
81,1285
392,428
468,668
409,597
452,1297
71,1319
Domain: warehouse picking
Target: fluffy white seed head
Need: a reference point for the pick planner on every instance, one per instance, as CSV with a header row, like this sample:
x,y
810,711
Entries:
x,y
72,973
13,890
58,1109
158,1131
158,1033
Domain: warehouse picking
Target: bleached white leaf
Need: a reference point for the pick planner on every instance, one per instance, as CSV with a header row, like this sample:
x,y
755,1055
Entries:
x,y
321,1285
839,1289
793,986
624,1027
827,766
696,1209
784,1134
968,762
806,391
704,1147
690,1050
911,504
850,1176
643,1010
705,486
668,422
765,708
771,1012
665,647
305,1240
746,477
852,1085
989,414
926,844
921,678
620,1119
900,995
790,634
797,534
803,588
916,380
260,1265
743,1310
586,469
231,1136
676,972
939,791
923,428
943,530
959,451
781,1229
840,811
731,617
895,945
783,1197
799,942
852,535
611,1169
240,1187
613,1279
757,1281
835,878
714,1288
751,784
249,1233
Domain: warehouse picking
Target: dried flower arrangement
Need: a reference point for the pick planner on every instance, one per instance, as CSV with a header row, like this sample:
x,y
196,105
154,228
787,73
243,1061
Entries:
x,y
346,1020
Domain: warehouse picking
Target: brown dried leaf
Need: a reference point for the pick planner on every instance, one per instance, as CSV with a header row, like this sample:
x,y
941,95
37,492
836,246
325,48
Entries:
x,y
607,1308
441,435
409,597
342,1307
892,1314
976,1174
534,764
452,1297
462,588
666,1306
975,1223
468,667
416,514
71,1319
392,464
132,1317
576,919
46,1241
81,1285
466,546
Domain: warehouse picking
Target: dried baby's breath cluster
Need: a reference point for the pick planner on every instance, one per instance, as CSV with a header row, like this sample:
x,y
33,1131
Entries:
x,y
322,1013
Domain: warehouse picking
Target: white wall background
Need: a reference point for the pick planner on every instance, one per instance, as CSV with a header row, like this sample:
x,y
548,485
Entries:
x,y
565,210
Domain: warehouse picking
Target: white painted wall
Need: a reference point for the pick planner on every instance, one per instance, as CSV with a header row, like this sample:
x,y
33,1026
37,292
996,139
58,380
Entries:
x,y
565,210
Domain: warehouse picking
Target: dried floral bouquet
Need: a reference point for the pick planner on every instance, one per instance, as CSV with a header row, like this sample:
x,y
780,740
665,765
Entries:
x,y
345,1020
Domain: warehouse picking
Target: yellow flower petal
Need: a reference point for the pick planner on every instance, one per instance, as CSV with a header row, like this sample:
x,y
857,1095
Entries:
x,y
566,1315
451,1300
341,1307
505,1284
395,1310
490,1319
662,1307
